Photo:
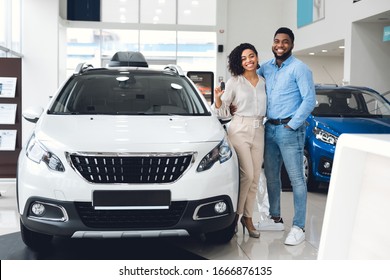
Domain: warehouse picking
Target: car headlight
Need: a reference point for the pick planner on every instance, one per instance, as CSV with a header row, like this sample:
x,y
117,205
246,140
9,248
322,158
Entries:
x,y
325,136
37,153
222,152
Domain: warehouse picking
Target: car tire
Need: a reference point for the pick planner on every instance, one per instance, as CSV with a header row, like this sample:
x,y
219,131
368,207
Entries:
x,y
312,184
221,236
34,240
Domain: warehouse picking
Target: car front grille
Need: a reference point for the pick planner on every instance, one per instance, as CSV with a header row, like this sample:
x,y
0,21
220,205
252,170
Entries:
x,y
131,168
132,219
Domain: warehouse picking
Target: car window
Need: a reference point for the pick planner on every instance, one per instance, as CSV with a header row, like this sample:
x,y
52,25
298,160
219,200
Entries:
x,y
124,93
350,103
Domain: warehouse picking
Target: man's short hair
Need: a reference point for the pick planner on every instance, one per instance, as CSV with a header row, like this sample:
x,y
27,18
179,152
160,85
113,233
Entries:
x,y
287,31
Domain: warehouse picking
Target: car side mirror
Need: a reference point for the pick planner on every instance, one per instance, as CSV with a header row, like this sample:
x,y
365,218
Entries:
x,y
32,114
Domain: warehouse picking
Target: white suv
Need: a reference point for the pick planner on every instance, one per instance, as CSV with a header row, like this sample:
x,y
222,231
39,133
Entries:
x,y
126,151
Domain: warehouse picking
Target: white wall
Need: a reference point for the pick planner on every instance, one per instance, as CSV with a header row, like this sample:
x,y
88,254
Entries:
x,y
249,21
330,29
370,57
40,54
327,70
368,8
366,58
253,22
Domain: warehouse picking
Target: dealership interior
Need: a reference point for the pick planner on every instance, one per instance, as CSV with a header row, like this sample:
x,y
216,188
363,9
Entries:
x,y
49,38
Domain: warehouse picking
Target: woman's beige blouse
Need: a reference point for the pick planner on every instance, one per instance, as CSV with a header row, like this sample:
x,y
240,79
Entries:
x,y
250,101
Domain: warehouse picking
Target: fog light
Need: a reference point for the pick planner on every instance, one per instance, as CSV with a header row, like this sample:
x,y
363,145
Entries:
x,y
220,207
38,209
326,165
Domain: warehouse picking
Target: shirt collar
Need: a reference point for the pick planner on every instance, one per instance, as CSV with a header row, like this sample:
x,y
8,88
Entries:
x,y
286,62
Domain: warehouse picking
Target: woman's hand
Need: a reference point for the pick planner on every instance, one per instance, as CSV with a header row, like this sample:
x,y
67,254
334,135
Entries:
x,y
218,92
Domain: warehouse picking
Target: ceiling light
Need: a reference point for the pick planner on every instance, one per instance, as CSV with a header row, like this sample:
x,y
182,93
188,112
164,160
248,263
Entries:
x,y
341,47
187,12
156,18
311,53
195,3
158,11
324,51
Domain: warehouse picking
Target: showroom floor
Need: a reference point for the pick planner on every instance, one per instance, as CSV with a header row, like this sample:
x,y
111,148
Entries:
x,y
269,246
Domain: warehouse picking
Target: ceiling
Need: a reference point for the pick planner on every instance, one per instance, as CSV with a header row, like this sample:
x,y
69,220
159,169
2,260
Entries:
x,y
332,49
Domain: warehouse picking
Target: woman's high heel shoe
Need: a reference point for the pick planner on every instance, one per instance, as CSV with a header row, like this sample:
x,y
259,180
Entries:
x,y
246,223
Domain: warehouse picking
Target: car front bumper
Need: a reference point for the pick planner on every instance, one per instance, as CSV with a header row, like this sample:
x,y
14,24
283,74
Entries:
x,y
81,220
321,156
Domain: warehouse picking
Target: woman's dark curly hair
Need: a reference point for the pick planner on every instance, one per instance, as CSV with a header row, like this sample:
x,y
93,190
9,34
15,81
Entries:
x,y
235,63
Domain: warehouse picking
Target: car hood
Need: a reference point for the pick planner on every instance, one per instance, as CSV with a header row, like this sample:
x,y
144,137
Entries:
x,y
356,125
123,133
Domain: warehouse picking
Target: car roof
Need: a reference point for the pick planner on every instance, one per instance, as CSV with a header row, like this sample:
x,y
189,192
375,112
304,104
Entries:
x,y
341,88
132,62
115,70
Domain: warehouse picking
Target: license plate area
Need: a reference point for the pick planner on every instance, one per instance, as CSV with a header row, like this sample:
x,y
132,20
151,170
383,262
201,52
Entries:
x,y
131,200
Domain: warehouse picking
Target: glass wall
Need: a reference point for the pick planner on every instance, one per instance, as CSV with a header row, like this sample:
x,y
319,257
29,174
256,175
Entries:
x,y
10,15
175,39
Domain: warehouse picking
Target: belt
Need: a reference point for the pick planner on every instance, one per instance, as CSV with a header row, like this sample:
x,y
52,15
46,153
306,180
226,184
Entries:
x,y
278,121
255,121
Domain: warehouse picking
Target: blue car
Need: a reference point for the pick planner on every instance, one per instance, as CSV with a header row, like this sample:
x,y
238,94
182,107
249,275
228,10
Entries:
x,y
339,109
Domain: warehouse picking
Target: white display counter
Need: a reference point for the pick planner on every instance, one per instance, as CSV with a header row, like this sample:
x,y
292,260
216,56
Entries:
x,y
357,214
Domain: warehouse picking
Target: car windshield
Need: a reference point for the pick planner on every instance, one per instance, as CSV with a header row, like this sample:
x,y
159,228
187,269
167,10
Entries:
x,y
350,103
128,93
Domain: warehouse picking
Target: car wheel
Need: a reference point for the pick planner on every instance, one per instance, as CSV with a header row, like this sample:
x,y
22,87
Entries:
x,y
312,184
221,236
286,183
34,240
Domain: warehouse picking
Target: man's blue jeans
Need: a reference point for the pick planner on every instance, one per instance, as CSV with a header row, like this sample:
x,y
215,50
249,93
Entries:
x,y
285,145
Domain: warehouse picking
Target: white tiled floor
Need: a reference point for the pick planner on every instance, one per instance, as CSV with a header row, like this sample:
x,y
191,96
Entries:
x,y
269,246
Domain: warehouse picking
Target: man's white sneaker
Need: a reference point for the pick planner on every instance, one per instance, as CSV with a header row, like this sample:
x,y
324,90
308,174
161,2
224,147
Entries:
x,y
270,224
295,237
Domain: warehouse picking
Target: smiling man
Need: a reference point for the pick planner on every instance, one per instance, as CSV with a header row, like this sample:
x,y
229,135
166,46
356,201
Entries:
x,y
290,100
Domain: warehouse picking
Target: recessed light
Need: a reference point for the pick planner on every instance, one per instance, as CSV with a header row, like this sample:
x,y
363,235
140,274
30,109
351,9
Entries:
x,y
341,47
324,51
311,53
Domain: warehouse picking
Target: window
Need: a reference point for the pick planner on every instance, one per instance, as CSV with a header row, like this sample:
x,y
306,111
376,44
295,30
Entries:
x,y
197,12
158,11
10,15
120,11
160,29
